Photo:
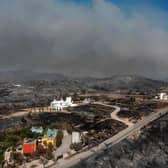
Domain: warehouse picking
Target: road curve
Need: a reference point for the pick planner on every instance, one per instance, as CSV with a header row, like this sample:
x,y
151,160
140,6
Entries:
x,y
114,114
111,141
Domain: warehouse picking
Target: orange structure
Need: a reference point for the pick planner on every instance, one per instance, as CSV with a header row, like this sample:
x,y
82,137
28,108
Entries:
x,y
29,147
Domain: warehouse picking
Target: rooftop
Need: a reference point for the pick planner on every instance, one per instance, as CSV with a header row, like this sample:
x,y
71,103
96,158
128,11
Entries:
x,y
29,141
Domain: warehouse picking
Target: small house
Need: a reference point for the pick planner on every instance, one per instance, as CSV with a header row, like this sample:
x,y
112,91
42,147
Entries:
x,y
7,155
38,130
52,132
50,137
76,138
162,96
46,140
29,146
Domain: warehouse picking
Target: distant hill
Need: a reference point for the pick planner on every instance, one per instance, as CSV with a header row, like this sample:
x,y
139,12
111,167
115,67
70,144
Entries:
x,y
116,82
121,82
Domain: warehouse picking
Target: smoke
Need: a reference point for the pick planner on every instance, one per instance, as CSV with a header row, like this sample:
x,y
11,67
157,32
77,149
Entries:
x,y
101,39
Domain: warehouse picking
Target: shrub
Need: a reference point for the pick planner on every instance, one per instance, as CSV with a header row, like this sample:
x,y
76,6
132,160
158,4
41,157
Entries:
x,y
49,153
76,146
59,138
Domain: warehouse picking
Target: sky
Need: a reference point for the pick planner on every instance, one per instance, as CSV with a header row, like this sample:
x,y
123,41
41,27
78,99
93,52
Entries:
x,y
161,4
85,38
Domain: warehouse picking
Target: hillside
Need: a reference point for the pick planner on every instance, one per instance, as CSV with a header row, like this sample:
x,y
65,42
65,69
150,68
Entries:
x,y
122,82
116,82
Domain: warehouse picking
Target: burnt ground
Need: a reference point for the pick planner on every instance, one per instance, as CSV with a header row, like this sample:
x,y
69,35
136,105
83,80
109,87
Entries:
x,y
134,108
129,114
150,150
99,129
93,118
79,122
93,109
11,123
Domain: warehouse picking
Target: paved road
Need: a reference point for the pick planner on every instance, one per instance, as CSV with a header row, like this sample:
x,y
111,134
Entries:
x,y
111,141
65,147
115,117
114,114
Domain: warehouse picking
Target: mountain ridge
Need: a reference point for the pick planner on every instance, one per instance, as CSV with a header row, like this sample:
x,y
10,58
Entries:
x,y
114,82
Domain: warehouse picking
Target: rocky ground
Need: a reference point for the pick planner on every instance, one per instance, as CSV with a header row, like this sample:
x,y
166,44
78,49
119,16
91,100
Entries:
x,y
150,150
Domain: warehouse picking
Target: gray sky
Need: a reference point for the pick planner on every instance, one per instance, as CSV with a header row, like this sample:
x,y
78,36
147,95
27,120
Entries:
x,y
77,40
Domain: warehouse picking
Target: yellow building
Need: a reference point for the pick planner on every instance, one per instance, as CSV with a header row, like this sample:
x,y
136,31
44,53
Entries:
x,y
48,140
49,137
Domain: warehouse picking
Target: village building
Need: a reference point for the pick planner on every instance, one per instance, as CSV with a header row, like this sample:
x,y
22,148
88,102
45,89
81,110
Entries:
x,y
76,137
59,105
52,132
7,155
29,146
46,140
162,96
49,137
38,130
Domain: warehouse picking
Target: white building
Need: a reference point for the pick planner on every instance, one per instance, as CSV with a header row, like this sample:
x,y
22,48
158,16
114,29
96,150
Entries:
x,y
59,105
7,155
76,138
162,96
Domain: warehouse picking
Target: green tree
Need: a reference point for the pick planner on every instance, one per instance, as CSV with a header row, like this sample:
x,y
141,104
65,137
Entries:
x,y
45,143
69,128
49,153
76,146
41,150
59,138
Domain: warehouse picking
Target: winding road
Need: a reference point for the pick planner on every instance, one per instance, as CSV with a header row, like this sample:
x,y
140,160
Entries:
x,y
114,114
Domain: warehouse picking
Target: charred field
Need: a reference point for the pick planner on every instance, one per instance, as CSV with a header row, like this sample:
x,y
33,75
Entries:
x,y
150,150
98,125
93,109
135,107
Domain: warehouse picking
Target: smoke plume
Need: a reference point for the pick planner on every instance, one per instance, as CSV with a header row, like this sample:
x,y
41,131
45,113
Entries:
x,y
101,39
